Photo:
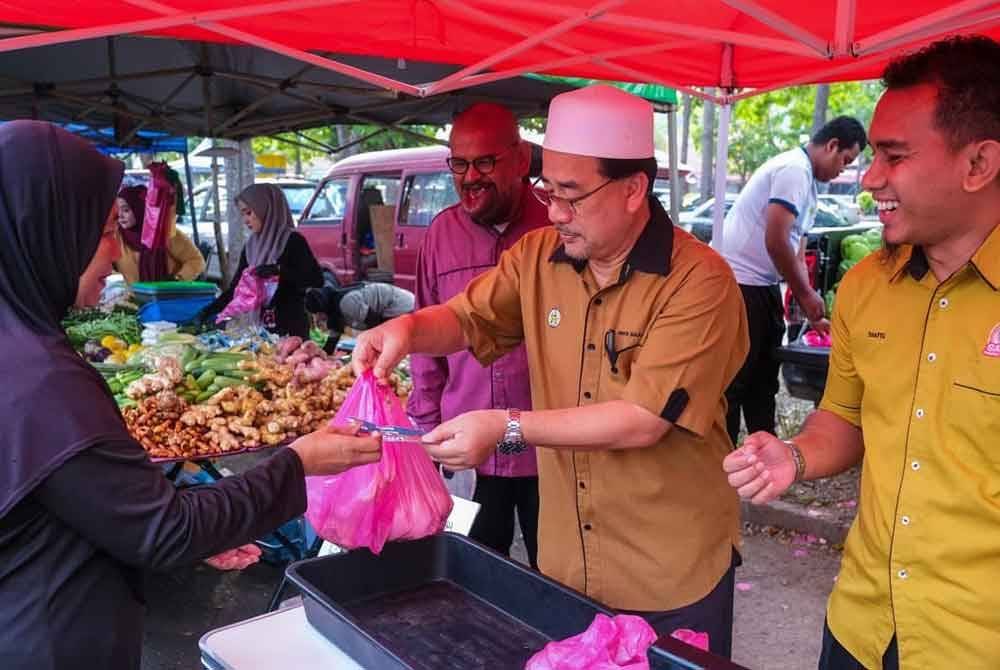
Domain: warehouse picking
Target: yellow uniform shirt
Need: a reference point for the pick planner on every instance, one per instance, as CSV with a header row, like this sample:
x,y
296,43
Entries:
x,y
640,529
916,364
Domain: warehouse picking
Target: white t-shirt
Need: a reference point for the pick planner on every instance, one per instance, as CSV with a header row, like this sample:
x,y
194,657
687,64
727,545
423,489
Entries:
x,y
787,180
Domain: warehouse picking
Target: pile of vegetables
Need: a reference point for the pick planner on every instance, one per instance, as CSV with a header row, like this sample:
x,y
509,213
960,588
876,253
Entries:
x,y
91,331
202,403
853,248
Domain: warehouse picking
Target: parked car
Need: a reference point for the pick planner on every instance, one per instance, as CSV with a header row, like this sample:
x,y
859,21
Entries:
x,y
843,205
698,218
336,221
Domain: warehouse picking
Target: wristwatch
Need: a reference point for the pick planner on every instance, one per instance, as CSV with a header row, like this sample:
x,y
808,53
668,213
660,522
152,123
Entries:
x,y
798,458
512,441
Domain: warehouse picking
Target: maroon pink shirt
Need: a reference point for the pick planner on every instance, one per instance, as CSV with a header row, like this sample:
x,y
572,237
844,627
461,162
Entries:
x,y
455,250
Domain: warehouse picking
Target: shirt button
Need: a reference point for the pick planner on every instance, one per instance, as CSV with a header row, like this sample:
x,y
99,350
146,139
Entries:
x,y
591,347
583,485
586,394
920,413
943,303
587,526
903,574
598,301
905,520
932,357
915,465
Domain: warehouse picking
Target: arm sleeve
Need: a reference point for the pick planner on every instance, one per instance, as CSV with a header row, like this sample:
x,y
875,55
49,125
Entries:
x,y
299,266
844,386
429,372
186,256
490,308
684,385
790,187
226,296
115,497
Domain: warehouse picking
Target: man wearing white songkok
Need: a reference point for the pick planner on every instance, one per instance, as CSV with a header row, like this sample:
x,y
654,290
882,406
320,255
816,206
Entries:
x,y
633,330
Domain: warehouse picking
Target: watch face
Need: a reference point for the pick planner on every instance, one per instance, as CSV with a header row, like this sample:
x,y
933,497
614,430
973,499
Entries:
x,y
510,448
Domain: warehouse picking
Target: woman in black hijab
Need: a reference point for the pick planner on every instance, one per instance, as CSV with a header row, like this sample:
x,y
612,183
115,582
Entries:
x,y
83,513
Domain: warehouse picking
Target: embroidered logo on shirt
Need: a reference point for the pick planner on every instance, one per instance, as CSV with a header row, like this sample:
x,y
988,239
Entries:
x,y
876,334
992,348
555,316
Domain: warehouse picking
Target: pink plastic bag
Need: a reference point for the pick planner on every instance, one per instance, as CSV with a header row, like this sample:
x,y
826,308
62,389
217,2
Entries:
x,y
251,293
691,637
402,497
608,644
815,339
160,195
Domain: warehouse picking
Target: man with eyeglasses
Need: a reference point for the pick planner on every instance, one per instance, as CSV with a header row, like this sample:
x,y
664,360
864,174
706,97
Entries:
x,y
633,331
489,163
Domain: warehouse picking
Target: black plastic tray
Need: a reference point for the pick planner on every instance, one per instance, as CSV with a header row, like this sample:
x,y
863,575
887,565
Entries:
x,y
817,358
446,603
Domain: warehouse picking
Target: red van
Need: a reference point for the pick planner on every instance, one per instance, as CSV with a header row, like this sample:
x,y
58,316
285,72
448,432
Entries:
x,y
337,222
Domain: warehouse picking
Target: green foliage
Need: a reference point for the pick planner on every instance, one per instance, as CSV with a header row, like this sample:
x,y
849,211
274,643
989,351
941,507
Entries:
x,y
770,123
390,139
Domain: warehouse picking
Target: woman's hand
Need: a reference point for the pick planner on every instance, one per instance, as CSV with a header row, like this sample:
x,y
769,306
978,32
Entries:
x,y
334,449
235,559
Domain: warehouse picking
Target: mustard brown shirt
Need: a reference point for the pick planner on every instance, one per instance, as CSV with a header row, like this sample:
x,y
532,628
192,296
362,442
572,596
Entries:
x,y
640,529
915,364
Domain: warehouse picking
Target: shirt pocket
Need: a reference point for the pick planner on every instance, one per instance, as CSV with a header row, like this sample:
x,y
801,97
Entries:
x,y
974,412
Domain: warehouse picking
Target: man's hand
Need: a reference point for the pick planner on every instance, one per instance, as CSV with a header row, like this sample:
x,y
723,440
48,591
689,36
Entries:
x,y
334,449
815,310
762,469
381,349
468,440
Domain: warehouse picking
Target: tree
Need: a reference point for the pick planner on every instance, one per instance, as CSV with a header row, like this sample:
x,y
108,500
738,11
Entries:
x,y
820,107
685,125
298,147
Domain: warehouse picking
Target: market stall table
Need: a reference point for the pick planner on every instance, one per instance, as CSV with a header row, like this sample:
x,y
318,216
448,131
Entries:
x,y
282,639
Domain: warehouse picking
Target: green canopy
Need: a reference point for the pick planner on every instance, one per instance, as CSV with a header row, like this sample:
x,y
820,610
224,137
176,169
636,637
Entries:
x,y
652,92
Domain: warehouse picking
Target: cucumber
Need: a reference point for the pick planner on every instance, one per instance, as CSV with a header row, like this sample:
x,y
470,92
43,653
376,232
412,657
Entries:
x,y
225,382
203,396
220,365
115,387
206,379
213,388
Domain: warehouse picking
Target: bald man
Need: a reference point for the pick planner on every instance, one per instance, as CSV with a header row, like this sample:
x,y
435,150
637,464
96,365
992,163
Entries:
x,y
489,163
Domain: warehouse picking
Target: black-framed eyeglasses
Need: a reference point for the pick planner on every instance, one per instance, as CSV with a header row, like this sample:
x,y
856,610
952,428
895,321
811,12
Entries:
x,y
548,199
483,164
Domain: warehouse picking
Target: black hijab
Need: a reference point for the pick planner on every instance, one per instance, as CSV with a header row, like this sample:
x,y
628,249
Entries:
x,y
56,192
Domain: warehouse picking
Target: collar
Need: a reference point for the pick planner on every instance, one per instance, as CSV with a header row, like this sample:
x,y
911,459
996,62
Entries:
x,y
986,261
912,261
651,252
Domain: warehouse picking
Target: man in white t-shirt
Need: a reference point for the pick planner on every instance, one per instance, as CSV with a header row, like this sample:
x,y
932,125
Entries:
x,y
764,242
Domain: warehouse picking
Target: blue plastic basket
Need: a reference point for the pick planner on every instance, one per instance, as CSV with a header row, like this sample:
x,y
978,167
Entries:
x,y
177,310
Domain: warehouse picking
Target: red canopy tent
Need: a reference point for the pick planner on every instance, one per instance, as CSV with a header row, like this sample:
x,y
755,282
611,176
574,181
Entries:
x,y
737,47
729,44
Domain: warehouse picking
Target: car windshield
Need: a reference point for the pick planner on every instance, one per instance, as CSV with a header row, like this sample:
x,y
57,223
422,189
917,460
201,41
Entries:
x,y
298,196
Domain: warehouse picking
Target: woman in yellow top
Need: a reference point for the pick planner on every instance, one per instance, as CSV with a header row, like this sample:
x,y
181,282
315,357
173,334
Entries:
x,y
179,260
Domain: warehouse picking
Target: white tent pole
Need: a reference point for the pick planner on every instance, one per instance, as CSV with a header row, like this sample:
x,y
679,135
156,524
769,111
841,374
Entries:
x,y
844,26
592,14
918,26
781,24
149,25
721,174
675,182
291,52
644,50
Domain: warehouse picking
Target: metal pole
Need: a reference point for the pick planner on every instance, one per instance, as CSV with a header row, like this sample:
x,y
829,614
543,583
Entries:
x,y
721,165
675,181
190,185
